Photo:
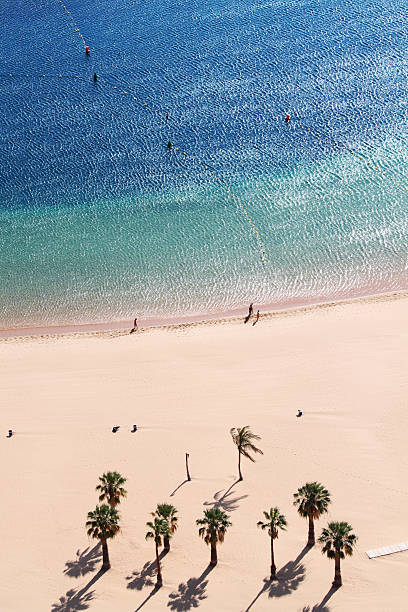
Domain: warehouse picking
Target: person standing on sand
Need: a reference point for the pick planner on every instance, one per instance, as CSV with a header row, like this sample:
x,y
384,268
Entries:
x,y
257,318
135,328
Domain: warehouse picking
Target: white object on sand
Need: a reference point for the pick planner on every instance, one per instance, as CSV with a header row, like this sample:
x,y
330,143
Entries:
x,y
387,550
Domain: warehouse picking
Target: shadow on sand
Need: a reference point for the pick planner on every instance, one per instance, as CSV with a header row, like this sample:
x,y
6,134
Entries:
x,y
143,578
321,607
190,593
179,487
85,562
77,599
288,578
153,592
226,501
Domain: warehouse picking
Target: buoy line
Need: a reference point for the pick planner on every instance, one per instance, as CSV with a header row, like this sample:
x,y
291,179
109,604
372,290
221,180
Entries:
x,y
157,111
207,168
75,25
317,133
25,75
372,165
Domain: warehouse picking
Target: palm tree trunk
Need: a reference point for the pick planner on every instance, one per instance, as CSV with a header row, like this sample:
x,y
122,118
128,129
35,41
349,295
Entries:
x,y
159,581
273,566
214,559
166,543
239,464
311,537
105,555
337,582
187,470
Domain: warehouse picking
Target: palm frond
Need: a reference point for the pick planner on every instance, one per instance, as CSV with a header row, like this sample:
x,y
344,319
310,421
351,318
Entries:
x,y
103,522
337,538
275,521
110,487
214,525
243,438
312,500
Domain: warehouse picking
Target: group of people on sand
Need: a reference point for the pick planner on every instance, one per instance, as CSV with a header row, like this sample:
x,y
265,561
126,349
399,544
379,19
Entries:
x,y
117,427
250,313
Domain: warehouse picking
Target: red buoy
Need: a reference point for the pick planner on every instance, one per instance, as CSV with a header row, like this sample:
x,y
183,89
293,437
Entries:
x,y
287,117
87,50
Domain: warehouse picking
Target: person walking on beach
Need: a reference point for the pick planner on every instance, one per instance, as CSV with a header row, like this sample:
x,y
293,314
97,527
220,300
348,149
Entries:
x,y
135,328
257,318
250,311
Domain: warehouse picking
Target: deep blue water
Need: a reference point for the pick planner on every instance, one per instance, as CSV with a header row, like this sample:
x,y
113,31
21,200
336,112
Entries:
x,y
99,221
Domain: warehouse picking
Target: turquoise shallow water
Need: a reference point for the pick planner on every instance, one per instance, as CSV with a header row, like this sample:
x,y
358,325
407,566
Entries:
x,y
99,222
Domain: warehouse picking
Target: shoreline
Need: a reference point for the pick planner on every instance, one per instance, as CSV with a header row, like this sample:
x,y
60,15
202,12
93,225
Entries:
x,y
117,328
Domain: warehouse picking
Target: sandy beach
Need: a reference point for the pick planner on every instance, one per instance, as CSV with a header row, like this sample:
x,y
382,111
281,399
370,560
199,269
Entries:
x,y
185,386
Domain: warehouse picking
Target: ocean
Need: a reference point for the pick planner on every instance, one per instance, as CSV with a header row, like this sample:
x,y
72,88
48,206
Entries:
x,y
100,221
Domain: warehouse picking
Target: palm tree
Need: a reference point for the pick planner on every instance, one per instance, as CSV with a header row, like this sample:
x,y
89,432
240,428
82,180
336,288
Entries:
x,y
168,512
111,488
312,500
158,528
275,521
103,524
213,529
243,438
338,541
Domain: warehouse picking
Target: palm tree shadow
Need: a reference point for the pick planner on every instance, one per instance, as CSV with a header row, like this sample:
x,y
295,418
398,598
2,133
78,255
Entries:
x,y
288,578
142,578
179,487
302,553
73,600
226,501
77,599
321,607
84,563
190,593
153,592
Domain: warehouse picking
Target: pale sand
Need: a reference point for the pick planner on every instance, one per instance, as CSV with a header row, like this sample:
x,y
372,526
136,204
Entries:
x,y
345,366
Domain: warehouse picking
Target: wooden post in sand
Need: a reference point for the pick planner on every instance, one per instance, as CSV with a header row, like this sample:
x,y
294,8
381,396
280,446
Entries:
x,y
188,473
